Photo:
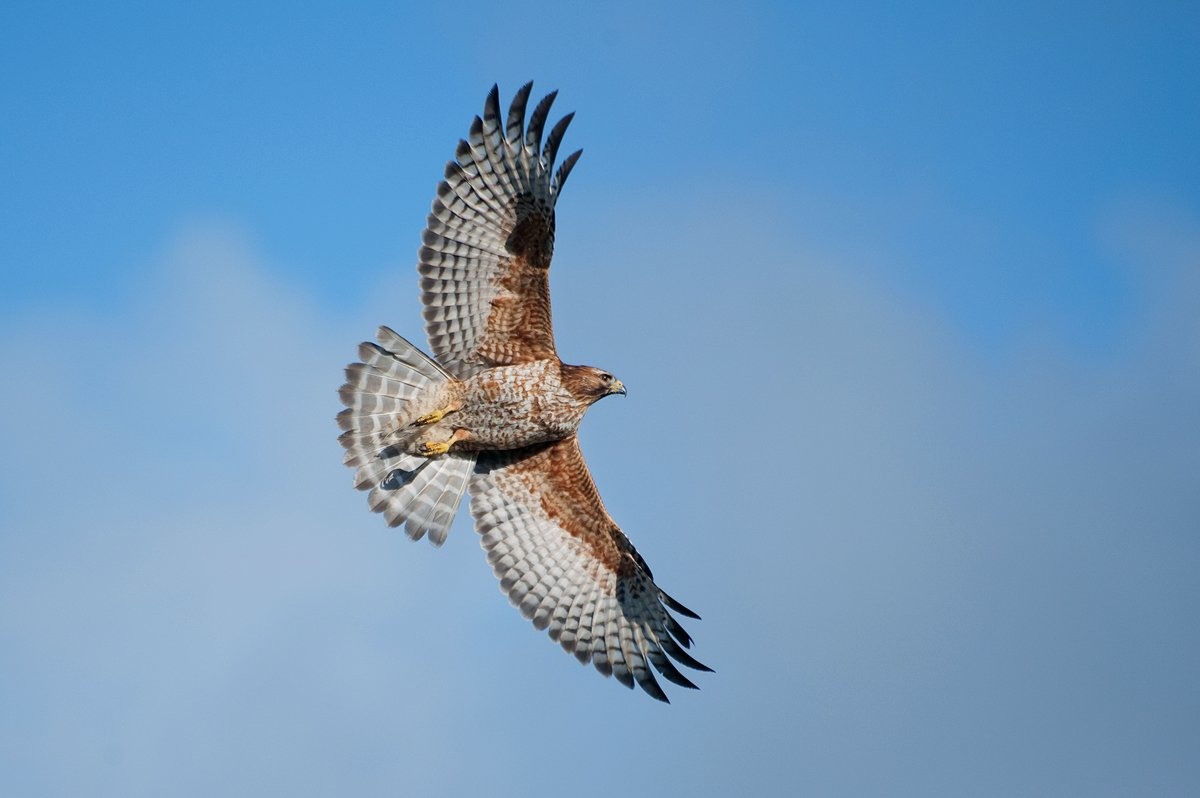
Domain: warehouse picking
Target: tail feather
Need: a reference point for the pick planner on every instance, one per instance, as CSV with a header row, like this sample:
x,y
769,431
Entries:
x,y
393,386
383,383
423,499
357,397
399,348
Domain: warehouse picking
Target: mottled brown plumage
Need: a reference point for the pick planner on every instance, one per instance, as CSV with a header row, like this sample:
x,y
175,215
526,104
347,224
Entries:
x,y
507,407
497,411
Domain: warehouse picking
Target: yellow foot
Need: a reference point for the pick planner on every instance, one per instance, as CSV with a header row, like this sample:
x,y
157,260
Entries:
x,y
437,415
434,448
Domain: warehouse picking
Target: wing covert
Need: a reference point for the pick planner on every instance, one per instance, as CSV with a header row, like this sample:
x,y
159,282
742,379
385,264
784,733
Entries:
x,y
486,249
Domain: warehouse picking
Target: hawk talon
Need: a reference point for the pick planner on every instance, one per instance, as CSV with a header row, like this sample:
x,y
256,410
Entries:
x,y
434,448
437,415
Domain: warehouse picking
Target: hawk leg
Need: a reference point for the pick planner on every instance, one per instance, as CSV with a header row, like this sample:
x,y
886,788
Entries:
x,y
434,448
438,415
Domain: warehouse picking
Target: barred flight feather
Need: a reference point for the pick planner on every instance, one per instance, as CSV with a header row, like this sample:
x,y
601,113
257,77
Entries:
x,y
585,585
502,181
384,394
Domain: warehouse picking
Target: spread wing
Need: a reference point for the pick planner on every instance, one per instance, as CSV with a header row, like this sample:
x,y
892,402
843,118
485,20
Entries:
x,y
489,238
564,563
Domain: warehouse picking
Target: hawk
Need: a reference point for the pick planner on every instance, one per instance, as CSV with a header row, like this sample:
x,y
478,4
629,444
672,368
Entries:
x,y
495,411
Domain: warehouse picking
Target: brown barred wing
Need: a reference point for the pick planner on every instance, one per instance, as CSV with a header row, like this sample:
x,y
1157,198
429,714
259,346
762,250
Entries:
x,y
488,241
568,568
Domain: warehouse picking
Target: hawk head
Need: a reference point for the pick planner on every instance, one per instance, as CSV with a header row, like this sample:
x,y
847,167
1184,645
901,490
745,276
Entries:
x,y
590,384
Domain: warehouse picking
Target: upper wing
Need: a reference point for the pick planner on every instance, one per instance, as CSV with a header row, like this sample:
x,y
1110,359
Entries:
x,y
489,238
569,568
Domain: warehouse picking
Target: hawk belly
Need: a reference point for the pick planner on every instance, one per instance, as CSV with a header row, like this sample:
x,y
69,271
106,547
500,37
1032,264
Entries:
x,y
509,407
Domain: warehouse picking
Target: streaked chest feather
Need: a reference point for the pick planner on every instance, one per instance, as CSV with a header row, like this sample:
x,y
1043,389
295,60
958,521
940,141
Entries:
x,y
513,406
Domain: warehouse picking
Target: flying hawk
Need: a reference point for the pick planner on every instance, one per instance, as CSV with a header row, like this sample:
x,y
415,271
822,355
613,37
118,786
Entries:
x,y
496,412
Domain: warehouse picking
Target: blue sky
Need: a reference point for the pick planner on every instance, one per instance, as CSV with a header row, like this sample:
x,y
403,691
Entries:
x,y
906,300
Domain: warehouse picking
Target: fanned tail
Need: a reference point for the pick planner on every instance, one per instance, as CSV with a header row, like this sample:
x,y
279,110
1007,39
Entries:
x,y
393,386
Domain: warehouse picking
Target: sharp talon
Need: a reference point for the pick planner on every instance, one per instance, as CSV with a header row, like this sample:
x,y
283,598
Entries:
x,y
435,416
434,448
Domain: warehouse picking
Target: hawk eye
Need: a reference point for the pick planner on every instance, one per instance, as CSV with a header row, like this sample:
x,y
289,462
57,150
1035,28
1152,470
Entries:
x,y
606,377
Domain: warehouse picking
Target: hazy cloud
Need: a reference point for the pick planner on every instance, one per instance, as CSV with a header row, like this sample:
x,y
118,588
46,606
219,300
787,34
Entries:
x,y
918,565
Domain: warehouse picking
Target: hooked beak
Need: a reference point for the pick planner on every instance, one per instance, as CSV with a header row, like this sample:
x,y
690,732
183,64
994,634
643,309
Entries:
x,y
617,387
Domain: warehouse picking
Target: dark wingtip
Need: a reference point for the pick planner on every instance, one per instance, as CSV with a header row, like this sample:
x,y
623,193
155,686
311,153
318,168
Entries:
x,y
516,114
564,170
675,605
537,122
491,106
550,150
